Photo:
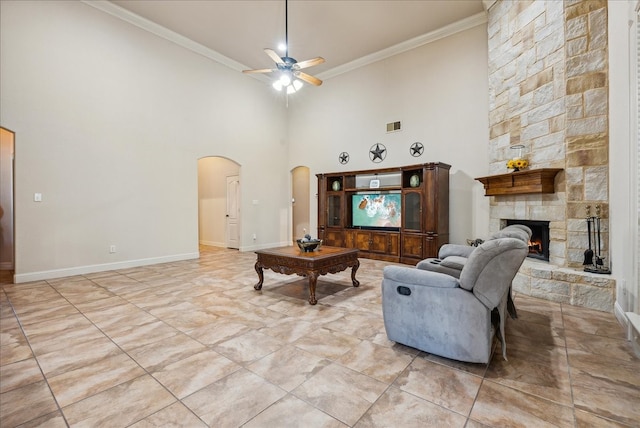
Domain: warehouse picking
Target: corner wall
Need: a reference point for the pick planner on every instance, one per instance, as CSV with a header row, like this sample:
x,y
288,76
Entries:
x,y
624,148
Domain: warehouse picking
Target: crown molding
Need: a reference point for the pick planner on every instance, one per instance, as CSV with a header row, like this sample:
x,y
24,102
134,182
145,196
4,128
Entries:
x,y
180,40
446,31
488,3
165,33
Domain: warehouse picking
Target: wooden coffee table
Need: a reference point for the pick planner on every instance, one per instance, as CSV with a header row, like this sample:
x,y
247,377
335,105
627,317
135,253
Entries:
x,y
290,260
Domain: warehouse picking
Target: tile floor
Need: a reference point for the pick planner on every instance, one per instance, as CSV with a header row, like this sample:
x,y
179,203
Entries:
x,y
193,344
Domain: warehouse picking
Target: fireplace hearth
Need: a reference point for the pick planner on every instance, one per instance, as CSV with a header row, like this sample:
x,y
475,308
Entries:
x,y
539,242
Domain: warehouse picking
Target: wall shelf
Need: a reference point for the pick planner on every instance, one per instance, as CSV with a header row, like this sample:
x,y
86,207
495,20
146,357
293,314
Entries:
x,y
520,182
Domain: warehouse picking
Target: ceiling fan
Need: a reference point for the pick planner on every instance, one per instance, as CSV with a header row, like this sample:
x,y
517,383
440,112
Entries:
x,y
289,69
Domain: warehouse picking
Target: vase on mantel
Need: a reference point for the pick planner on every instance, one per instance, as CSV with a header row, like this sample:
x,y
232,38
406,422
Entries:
x,y
517,164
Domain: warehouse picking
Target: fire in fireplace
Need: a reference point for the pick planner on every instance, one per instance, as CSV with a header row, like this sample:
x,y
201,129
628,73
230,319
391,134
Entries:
x,y
539,242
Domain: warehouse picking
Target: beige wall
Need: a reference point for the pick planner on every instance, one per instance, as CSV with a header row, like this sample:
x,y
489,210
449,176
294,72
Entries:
x,y
111,122
438,92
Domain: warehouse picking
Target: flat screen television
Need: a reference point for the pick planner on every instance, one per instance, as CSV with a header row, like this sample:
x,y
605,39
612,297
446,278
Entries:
x,y
376,210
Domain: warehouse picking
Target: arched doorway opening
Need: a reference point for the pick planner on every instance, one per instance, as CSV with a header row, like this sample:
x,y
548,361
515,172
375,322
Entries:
x,y
7,141
218,202
300,181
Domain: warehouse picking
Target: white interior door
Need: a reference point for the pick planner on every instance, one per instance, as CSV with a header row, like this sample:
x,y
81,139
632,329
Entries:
x,y
233,212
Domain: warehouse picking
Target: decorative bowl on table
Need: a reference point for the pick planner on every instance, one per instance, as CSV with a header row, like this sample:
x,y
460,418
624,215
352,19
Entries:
x,y
308,245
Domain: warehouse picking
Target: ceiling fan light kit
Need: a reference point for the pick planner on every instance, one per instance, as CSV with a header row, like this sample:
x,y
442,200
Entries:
x,y
290,76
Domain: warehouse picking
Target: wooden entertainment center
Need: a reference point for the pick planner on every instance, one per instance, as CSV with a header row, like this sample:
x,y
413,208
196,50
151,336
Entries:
x,y
422,191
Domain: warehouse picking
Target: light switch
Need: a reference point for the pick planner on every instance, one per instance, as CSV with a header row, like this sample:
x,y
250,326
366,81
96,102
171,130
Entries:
x,y
37,197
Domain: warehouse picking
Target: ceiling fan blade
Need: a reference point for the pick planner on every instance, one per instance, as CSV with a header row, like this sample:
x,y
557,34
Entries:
x,y
308,78
273,55
310,62
262,70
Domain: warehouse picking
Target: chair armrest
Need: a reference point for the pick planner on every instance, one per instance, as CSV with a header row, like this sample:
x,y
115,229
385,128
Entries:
x,y
455,250
454,262
429,264
407,275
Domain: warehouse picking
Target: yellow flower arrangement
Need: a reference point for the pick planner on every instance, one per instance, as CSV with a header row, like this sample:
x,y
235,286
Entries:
x,y
517,164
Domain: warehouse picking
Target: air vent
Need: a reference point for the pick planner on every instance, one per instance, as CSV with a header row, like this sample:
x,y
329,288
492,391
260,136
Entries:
x,y
393,126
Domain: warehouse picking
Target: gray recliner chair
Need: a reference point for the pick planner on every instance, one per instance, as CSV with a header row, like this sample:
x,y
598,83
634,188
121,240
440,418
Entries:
x,y
452,257
453,317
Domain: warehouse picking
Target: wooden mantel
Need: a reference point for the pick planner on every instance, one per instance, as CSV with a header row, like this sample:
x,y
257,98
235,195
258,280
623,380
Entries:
x,y
520,182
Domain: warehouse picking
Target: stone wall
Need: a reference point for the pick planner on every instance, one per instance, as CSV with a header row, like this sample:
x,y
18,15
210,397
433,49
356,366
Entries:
x,y
548,91
587,132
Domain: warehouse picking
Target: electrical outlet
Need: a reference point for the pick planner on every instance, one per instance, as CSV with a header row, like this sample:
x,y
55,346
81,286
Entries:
x,y
112,249
254,237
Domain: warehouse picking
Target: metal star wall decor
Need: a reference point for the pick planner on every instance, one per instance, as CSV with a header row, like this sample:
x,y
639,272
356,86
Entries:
x,y
416,149
377,153
343,158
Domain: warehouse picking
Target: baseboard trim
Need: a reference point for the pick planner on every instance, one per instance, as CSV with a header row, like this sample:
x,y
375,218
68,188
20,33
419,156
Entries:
x,y
634,331
82,270
265,246
621,316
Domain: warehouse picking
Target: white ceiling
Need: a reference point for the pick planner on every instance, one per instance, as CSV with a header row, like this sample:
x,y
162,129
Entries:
x,y
339,31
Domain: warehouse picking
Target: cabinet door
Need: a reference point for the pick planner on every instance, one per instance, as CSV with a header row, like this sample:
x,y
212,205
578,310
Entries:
x,y
379,242
333,238
334,211
394,244
431,246
412,207
436,213
385,243
363,240
412,245
350,239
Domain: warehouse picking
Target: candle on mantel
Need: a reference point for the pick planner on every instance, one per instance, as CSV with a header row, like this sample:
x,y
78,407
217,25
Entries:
x,y
519,148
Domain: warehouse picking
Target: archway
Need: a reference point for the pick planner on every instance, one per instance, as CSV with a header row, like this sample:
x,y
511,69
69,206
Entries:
x,y
214,202
7,140
300,202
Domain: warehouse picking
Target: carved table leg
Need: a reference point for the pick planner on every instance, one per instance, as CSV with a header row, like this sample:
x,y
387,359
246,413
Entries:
x,y
353,274
313,279
258,286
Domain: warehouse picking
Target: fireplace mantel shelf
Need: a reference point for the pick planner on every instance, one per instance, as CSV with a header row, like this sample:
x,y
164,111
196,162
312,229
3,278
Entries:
x,y
520,182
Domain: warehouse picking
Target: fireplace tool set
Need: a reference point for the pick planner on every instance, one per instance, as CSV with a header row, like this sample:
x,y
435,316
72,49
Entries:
x,y
593,261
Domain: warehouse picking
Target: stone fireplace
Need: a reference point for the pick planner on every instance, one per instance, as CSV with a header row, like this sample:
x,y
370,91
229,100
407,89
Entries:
x,y
548,91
